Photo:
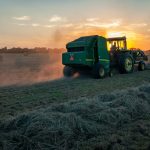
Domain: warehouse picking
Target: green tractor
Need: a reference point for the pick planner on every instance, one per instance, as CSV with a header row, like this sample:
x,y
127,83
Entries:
x,y
100,56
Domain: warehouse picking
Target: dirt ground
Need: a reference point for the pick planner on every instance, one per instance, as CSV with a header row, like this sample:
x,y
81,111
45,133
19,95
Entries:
x,y
22,69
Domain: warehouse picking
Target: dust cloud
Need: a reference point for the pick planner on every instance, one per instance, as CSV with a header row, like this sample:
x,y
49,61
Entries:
x,y
22,69
58,36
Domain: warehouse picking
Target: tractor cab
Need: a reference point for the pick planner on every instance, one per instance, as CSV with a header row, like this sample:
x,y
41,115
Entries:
x,y
117,44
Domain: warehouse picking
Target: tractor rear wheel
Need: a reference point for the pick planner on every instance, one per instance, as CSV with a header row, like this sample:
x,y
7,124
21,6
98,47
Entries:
x,y
126,64
141,66
68,71
98,71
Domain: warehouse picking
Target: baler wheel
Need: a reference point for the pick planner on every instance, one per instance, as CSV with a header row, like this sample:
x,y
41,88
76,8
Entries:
x,y
98,71
68,71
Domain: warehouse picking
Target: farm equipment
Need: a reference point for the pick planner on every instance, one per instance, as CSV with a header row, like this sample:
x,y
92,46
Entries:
x,y
101,55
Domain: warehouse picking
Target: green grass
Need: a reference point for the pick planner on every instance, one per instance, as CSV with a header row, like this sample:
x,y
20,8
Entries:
x,y
112,121
15,100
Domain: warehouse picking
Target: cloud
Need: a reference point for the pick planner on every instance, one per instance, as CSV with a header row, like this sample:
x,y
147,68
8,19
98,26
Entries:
x,y
57,19
136,25
48,26
139,25
35,25
79,26
116,34
92,19
23,24
68,25
20,24
103,25
22,18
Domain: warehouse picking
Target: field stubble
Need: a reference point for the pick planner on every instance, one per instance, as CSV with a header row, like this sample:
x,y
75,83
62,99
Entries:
x,y
119,120
78,113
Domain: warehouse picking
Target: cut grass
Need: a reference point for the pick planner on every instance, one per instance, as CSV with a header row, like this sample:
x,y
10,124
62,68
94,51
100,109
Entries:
x,y
15,100
118,120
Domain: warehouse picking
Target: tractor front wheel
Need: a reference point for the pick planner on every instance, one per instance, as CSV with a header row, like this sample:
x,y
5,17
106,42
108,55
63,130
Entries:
x,y
141,66
68,71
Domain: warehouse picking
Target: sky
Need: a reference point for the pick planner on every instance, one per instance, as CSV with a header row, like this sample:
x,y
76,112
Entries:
x,y
53,23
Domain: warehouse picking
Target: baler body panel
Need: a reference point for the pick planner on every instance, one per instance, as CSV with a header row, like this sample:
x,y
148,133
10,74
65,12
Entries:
x,y
74,58
103,54
87,51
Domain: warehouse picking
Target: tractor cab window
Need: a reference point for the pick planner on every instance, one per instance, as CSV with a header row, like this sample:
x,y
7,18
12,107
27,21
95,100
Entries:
x,y
76,49
115,44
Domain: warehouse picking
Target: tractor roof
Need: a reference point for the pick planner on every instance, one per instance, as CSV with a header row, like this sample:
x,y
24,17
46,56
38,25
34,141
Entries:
x,y
116,39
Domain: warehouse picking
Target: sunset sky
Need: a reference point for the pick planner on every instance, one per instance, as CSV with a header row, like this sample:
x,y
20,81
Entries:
x,y
52,23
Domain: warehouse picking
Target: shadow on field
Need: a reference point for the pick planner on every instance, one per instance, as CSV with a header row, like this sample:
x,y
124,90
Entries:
x,y
119,120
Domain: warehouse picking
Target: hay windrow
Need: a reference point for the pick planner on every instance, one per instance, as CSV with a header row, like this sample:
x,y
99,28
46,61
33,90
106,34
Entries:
x,y
120,120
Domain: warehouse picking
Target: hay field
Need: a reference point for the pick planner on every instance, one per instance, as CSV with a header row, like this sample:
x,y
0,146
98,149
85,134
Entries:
x,y
22,68
78,113
119,120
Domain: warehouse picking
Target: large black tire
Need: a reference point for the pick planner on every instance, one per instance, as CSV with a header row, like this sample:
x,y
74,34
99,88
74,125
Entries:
x,y
141,66
68,71
126,64
98,71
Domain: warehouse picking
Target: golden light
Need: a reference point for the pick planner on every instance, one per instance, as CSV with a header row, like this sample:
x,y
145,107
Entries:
x,y
131,37
131,44
115,34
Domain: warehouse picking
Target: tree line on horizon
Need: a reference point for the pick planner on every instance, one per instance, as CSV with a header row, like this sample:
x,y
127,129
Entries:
x,y
35,50
31,50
